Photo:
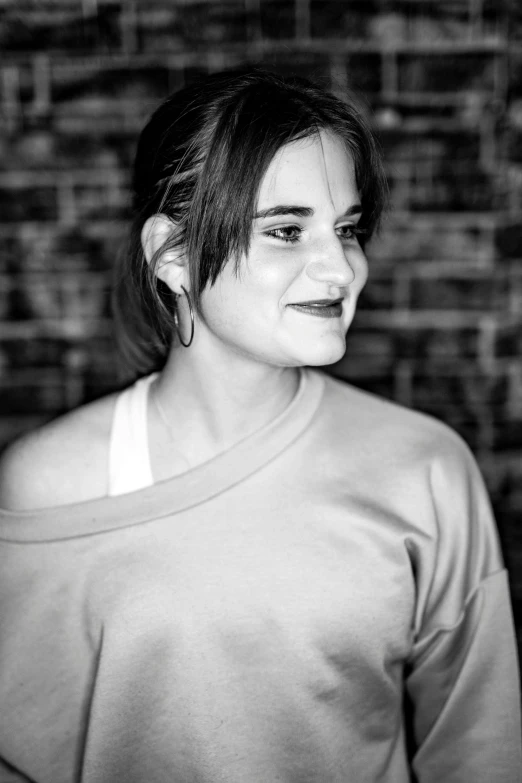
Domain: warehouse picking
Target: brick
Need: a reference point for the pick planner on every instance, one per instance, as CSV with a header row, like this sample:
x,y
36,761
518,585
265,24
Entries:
x,y
35,148
446,72
338,19
314,66
442,386
41,352
442,9
508,340
37,203
63,296
376,348
496,15
452,188
508,240
91,117
439,29
363,71
484,293
378,293
204,24
43,391
277,19
32,149
109,152
102,202
64,26
515,74
515,22
41,248
513,117
436,343
434,145
508,522
106,89
193,71
423,239
454,21
9,255
419,114
506,400
515,145
512,188
159,27
5,301
508,436
507,497
17,92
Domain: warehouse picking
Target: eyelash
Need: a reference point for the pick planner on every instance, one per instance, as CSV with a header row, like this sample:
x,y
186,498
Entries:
x,y
354,233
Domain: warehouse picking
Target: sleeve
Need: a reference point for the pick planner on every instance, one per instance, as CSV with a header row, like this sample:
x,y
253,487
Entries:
x,y
462,682
9,774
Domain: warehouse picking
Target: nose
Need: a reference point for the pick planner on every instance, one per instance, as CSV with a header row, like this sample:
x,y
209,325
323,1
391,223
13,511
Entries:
x,y
332,263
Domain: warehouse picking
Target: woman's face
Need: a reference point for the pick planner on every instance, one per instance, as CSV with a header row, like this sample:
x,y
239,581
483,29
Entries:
x,y
297,288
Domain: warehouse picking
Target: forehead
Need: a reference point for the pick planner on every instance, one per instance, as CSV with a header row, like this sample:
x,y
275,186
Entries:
x,y
310,171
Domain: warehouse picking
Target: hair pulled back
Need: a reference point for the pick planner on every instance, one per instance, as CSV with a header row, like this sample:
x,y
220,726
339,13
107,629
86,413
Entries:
x,y
200,161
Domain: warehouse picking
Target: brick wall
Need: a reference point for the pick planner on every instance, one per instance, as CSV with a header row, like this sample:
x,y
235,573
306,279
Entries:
x,y
440,324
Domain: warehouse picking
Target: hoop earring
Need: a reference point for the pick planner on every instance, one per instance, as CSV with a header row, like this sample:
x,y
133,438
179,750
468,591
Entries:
x,y
176,319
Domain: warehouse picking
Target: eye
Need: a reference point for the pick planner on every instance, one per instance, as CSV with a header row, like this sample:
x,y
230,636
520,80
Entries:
x,y
350,232
286,233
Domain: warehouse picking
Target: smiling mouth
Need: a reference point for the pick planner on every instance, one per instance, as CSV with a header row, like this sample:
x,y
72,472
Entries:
x,y
321,308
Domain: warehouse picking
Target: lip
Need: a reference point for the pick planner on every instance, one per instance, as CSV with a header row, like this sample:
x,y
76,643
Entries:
x,y
312,302
320,308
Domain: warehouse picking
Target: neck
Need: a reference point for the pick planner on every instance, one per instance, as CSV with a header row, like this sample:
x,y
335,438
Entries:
x,y
213,402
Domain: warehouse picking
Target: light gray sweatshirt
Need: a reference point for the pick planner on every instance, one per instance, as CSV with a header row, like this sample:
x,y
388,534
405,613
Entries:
x,y
323,603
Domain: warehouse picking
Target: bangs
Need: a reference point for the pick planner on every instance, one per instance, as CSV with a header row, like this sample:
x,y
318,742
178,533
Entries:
x,y
251,129
247,137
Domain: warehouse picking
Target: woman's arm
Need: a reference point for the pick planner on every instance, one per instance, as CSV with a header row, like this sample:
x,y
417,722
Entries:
x,y
463,679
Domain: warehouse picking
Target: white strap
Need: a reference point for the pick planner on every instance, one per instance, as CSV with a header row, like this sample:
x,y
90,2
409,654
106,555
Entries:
x,y
129,459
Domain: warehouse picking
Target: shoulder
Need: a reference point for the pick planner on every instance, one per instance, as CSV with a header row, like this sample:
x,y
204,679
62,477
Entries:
x,y
395,445
409,462
388,425
65,461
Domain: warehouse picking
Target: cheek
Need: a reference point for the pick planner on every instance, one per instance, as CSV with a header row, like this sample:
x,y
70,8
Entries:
x,y
257,292
221,306
273,272
231,304
266,276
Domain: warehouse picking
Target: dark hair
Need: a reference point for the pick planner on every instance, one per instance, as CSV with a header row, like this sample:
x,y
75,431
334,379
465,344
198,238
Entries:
x,y
200,160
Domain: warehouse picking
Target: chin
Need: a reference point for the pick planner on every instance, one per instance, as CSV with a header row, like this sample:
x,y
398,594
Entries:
x,y
325,355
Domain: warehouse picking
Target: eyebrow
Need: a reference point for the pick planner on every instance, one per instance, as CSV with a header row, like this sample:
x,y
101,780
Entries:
x,y
298,211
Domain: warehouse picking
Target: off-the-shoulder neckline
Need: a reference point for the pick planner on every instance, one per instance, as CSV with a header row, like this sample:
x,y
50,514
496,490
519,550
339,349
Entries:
x,y
175,494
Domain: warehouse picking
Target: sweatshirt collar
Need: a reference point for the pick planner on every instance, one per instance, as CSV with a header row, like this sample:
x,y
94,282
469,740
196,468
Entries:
x,y
178,493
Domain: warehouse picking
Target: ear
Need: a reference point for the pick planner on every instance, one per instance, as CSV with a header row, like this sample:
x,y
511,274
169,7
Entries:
x,y
171,267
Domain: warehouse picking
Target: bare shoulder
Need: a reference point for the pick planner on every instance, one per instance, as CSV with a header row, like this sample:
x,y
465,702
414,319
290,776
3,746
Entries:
x,y
65,461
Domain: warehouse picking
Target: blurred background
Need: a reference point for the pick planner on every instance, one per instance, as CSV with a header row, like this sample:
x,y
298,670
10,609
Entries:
x,y
439,326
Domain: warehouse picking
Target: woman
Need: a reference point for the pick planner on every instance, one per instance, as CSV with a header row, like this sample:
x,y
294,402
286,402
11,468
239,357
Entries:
x,y
240,569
